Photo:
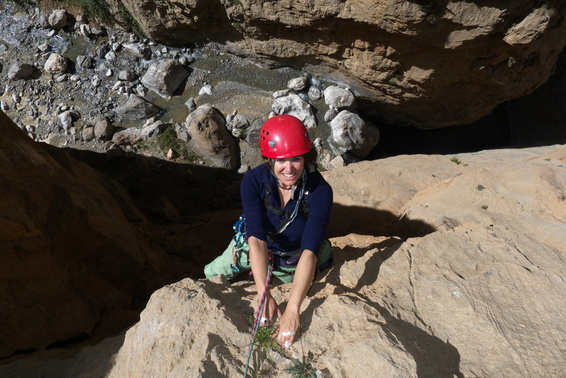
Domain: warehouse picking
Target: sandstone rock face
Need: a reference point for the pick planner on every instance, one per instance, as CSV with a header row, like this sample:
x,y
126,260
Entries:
x,y
473,287
427,64
70,252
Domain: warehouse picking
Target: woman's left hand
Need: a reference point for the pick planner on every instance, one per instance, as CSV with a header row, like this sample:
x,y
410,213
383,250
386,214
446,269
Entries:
x,y
289,322
288,328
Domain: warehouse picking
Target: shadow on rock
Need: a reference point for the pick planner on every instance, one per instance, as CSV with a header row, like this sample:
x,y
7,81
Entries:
x,y
433,356
367,221
164,189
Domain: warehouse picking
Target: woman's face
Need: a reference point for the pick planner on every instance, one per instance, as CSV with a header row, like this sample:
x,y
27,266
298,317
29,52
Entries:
x,y
289,170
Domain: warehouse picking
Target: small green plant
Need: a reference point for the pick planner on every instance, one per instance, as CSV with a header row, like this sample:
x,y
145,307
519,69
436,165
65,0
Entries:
x,y
548,9
168,140
398,80
484,207
264,336
480,187
455,160
24,4
127,17
92,8
141,145
238,26
302,368
547,159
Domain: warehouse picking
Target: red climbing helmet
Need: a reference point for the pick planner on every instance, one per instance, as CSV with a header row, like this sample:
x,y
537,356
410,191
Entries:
x,y
283,136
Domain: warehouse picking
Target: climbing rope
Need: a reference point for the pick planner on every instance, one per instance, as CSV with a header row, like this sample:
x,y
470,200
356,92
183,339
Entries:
x,y
259,312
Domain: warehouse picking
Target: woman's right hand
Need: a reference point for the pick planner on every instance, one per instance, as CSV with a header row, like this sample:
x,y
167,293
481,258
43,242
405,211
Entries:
x,y
271,309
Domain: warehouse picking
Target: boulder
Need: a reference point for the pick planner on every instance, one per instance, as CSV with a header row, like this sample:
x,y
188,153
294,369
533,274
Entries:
x,y
292,104
103,129
209,135
58,19
56,64
164,77
137,108
339,98
354,134
19,70
138,49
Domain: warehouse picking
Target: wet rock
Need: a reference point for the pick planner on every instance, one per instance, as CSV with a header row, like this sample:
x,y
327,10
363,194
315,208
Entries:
x,y
84,61
137,108
164,77
56,64
237,124
127,137
298,83
88,133
67,118
103,129
294,105
19,70
57,19
339,98
331,113
138,49
314,93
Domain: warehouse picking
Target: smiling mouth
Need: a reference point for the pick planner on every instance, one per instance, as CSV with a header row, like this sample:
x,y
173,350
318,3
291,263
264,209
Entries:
x,y
289,176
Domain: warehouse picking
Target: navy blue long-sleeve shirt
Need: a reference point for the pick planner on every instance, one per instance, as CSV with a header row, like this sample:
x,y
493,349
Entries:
x,y
307,231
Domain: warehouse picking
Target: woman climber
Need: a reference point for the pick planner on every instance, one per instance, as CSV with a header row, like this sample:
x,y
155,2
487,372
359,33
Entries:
x,y
287,205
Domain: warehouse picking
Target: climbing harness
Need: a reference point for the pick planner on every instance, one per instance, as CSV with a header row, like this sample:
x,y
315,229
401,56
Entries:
x,y
289,216
238,242
260,310
301,207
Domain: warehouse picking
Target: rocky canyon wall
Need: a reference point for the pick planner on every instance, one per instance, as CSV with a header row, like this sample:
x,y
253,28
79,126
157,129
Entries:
x,y
424,63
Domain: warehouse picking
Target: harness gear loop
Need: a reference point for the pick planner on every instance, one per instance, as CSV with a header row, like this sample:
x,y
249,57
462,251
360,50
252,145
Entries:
x,y
236,250
260,309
